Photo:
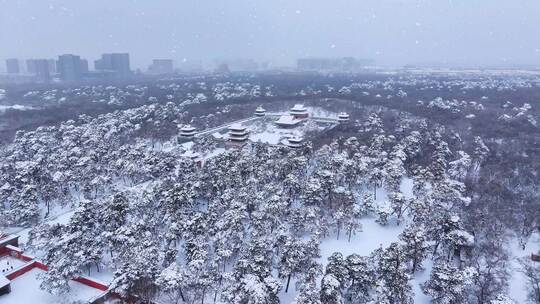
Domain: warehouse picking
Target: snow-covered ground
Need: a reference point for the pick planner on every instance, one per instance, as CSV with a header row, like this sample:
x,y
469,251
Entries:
x,y
14,107
518,283
364,242
372,236
104,276
320,112
8,264
25,289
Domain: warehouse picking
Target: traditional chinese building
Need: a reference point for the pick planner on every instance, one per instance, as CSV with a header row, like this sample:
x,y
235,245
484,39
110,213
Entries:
x,y
260,111
343,117
287,121
188,131
299,111
195,157
238,133
294,142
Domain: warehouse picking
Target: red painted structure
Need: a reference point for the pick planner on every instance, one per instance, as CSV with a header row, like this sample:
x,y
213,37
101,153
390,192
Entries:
x,y
20,271
9,248
88,282
5,241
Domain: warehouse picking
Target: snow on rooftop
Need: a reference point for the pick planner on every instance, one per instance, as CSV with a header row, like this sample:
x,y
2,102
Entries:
x,y
3,281
188,128
237,127
192,154
287,120
298,107
295,139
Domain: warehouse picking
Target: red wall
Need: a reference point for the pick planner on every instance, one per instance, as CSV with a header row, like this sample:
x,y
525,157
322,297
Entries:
x,y
93,284
19,272
16,253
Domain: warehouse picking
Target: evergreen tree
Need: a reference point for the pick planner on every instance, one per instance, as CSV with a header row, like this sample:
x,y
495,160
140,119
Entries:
x,y
447,284
415,245
393,271
361,279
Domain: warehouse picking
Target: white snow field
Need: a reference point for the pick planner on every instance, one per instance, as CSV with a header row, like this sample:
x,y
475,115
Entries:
x,y
17,107
8,264
25,290
518,281
372,237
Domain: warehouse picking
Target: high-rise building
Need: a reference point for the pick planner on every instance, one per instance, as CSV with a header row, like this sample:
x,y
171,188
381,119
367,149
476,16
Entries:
x,y
115,62
161,66
12,66
31,66
52,66
70,67
239,64
84,66
41,69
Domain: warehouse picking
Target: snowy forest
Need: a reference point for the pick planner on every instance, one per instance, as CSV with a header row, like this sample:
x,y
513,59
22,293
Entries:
x,y
430,193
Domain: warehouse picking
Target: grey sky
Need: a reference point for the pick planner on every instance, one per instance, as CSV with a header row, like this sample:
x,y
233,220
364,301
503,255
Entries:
x,y
394,32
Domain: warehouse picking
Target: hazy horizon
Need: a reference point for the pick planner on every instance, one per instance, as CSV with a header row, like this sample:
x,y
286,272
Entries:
x,y
391,32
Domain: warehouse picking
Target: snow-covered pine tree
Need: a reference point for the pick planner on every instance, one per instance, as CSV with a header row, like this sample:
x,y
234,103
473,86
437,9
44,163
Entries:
x,y
447,284
392,270
361,276
415,245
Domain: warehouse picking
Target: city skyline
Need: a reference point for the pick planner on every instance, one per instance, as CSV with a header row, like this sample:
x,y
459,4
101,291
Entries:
x,y
391,32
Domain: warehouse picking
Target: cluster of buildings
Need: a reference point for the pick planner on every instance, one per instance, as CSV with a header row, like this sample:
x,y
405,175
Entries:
x,y
116,66
161,67
74,68
70,68
238,133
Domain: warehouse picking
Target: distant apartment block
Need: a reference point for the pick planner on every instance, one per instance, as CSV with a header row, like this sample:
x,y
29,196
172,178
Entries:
x,y
70,67
31,66
241,64
52,66
161,66
84,66
114,62
12,66
40,68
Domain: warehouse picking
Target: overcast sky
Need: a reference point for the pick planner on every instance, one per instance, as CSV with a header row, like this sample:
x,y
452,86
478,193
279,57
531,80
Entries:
x,y
393,32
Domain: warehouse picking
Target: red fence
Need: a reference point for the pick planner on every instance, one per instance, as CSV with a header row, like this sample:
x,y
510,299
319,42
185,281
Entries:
x,y
16,253
20,271
93,284
32,263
